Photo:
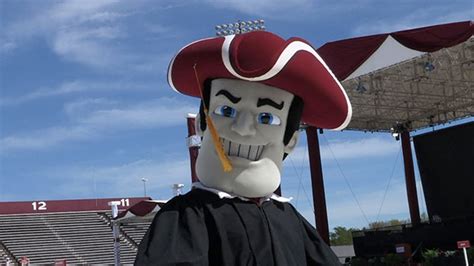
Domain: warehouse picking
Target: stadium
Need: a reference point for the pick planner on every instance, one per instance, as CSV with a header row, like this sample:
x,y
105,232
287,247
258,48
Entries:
x,y
68,231
399,83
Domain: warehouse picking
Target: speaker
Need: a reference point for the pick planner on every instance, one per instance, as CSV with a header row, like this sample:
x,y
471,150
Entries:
x,y
446,163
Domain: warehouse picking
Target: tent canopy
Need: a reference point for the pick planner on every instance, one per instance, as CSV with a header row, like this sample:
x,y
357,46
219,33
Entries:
x,y
414,78
142,211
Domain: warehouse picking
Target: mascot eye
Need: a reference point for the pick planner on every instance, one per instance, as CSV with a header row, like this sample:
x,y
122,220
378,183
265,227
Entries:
x,y
268,119
225,110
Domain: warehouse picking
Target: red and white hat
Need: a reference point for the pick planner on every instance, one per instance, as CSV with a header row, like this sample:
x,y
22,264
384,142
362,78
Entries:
x,y
264,57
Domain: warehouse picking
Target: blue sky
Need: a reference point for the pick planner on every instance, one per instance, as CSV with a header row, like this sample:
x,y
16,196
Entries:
x,y
85,109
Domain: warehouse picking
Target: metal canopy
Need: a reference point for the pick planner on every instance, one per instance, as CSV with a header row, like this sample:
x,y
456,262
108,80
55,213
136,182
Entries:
x,y
409,92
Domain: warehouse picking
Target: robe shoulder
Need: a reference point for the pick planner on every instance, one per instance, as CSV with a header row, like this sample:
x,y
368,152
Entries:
x,y
199,228
178,233
317,251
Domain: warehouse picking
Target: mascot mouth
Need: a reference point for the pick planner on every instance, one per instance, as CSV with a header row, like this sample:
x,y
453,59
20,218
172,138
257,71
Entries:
x,y
249,152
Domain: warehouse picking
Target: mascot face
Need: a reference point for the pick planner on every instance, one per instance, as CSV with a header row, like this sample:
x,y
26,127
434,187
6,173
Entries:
x,y
251,121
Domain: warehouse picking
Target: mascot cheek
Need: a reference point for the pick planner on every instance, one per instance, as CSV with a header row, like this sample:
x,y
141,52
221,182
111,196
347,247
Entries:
x,y
262,178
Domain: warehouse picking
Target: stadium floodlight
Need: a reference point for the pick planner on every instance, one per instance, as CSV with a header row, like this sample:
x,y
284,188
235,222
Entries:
x,y
396,135
177,189
428,66
144,180
399,128
239,27
360,88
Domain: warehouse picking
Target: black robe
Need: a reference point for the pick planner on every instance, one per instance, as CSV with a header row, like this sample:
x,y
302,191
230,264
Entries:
x,y
199,228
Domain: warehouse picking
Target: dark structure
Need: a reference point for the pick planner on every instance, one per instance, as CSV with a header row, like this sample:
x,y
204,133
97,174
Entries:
x,y
446,163
445,158
443,236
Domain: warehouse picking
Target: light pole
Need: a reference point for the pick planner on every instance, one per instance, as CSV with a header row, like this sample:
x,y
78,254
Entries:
x,y
144,180
115,231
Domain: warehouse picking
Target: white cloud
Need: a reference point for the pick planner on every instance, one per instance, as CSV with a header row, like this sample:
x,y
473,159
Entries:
x,y
92,123
350,149
276,9
82,10
344,211
346,208
75,86
84,105
157,28
89,46
46,138
161,113
7,46
422,17
44,20
123,179
87,32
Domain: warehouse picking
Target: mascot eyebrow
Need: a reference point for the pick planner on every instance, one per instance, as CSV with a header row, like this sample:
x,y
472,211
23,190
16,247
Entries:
x,y
229,96
267,101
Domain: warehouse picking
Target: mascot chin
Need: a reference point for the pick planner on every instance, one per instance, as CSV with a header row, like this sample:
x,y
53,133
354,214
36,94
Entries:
x,y
256,88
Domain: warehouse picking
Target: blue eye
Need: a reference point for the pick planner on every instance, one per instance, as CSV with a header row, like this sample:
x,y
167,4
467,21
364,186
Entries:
x,y
268,119
225,110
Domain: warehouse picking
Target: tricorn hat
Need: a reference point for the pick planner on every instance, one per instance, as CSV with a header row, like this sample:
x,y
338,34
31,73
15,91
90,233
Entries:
x,y
292,65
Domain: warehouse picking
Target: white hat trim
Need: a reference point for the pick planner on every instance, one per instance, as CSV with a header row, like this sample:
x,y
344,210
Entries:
x,y
283,59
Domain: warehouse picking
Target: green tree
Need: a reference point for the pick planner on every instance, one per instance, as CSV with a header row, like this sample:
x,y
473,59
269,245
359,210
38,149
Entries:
x,y
393,222
424,217
341,236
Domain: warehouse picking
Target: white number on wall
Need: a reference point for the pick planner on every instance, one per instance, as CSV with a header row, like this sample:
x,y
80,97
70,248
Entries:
x,y
125,202
39,205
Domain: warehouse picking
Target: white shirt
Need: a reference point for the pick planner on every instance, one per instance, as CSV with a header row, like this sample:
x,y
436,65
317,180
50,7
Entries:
x,y
223,194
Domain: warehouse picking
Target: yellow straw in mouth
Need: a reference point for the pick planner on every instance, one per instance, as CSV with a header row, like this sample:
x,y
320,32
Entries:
x,y
225,162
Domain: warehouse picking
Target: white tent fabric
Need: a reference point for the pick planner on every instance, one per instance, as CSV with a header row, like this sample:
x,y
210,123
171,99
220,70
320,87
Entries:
x,y
412,79
142,211
389,53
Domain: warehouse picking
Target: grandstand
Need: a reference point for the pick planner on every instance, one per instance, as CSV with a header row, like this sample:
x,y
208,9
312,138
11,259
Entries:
x,y
75,231
135,230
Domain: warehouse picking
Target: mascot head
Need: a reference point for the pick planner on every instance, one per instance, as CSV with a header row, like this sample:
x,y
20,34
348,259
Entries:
x,y
256,88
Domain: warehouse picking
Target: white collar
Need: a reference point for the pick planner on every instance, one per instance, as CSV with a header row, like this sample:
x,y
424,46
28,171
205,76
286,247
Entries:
x,y
223,194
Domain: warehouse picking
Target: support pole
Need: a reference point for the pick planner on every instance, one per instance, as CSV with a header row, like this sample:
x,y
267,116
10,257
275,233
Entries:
x,y
319,197
115,231
410,179
194,142
465,256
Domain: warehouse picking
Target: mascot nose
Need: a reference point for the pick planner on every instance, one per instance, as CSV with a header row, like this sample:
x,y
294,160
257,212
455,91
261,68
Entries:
x,y
244,124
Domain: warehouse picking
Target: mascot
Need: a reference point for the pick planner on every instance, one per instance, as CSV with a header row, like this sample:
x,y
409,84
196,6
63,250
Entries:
x,y
255,88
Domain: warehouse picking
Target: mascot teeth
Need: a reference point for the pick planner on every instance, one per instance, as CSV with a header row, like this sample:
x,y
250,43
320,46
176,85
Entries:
x,y
249,152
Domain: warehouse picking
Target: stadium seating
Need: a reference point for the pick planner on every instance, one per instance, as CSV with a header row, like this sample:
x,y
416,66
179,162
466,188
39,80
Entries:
x,y
77,237
135,230
3,256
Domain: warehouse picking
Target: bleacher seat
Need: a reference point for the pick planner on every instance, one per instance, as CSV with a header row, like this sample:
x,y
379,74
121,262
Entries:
x,y
77,237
